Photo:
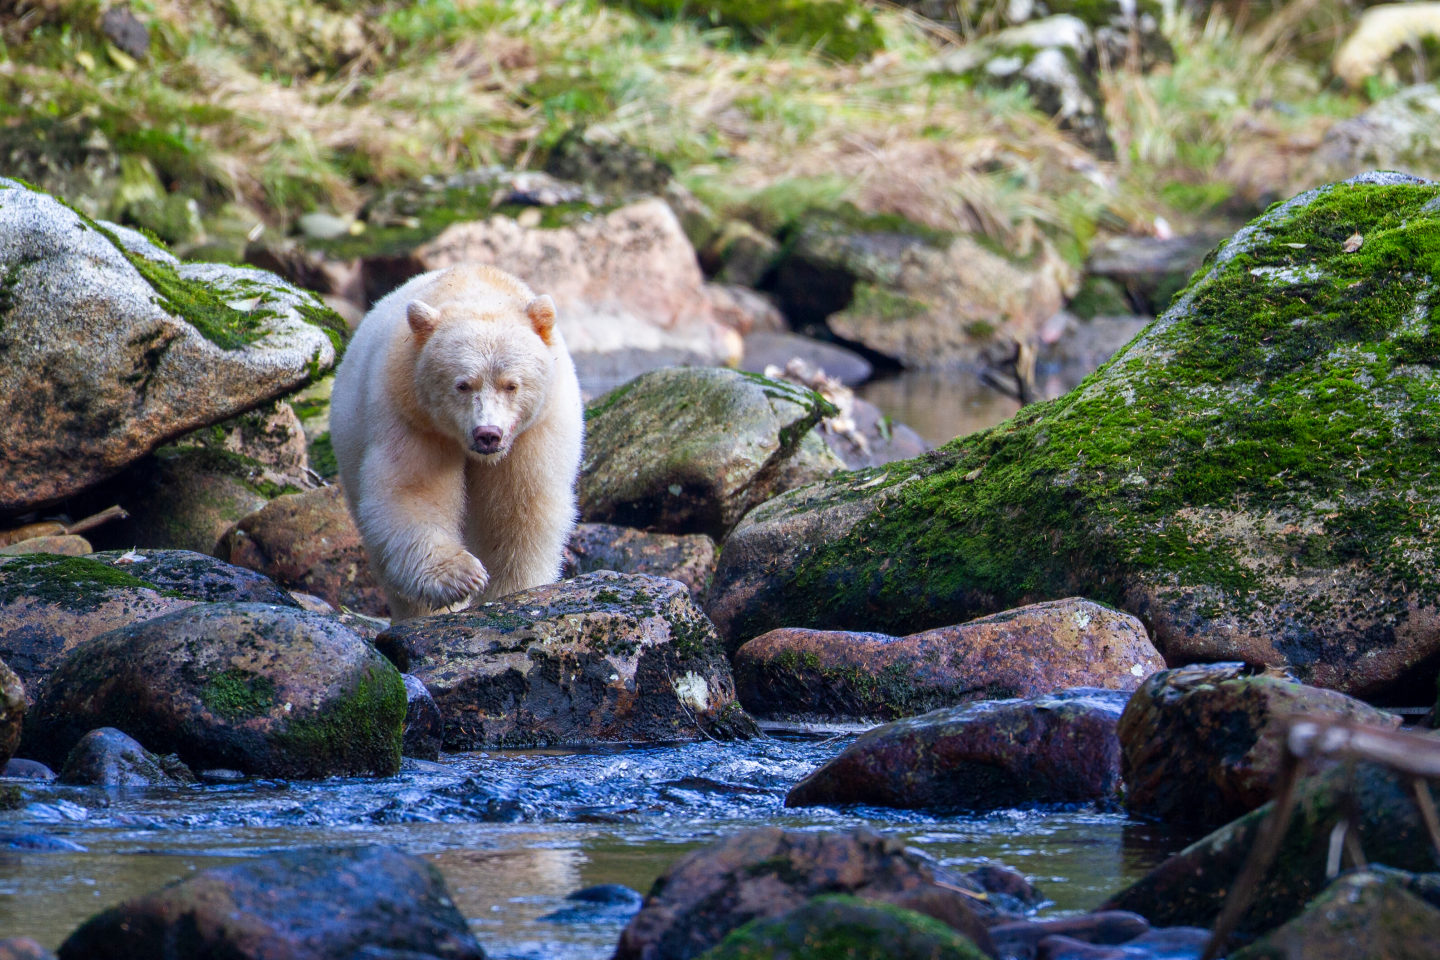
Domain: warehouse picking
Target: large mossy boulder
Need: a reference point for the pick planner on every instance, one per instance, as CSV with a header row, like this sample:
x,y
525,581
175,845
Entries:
x,y
1364,914
602,657
689,450
111,346
1202,744
1253,476
314,904
266,690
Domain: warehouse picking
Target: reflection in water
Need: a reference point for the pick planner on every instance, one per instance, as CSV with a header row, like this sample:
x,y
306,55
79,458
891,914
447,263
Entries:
x,y
568,820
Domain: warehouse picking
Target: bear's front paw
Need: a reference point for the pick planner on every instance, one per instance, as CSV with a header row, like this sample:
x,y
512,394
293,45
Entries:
x,y
452,580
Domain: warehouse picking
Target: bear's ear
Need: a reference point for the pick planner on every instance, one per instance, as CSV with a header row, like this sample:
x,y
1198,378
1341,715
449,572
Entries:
x,y
423,319
541,312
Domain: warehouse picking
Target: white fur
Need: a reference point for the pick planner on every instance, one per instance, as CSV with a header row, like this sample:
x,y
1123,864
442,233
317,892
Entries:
x,y
450,352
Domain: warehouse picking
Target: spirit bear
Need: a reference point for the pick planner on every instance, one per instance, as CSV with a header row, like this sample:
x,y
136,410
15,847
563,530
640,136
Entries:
x,y
457,422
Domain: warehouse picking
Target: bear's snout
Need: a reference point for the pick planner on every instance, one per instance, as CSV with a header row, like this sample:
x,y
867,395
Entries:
x,y
486,439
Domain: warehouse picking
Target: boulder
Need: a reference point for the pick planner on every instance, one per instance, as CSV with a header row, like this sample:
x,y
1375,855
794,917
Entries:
x,y
1400,132
603,657
108,758
12,712
1202,744
308,542
424,724
269,691
841,926
765,349
309,904
1190,887
691,450
1251,476
767,872
26,770
1021,938
687,557
113,347
1059,748
1166,943
1150,270
197,576
64,545
1363,914
1020,653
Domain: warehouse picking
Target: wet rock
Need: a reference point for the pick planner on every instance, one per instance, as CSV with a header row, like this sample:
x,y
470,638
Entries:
x,y
688,557
625,283
607,163
308,541
50,605
1168,943
1361,914
1203,743
424,724
108,758
849,927
1007,889
778,349
1400,132
19,769
271,691
314,904
604,903
1190,887
856,432
743,310
23,948
603,657
767,872
12,712
1150,270
197,575
1019,653
64,545
740,254
690,450
1020,939
1059,748
1162,485
38,842
184,346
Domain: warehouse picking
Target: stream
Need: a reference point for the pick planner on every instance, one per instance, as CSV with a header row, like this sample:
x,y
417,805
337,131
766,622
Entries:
x,y
515,832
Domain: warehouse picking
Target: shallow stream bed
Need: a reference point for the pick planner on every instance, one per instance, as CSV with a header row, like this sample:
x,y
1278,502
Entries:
x,y
514,832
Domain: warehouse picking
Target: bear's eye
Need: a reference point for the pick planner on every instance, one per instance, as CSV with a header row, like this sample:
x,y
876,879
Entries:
x,y
511,387
462,386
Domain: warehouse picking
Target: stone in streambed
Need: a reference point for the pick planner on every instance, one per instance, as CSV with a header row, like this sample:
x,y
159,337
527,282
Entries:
x,y
1363,914
424,724
13,706
687,557
108,758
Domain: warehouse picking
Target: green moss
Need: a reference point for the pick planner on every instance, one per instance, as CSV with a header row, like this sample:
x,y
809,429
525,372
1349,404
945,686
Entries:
x,y
843,28
238,694
362,733
322,456
883,304
843,927
77,582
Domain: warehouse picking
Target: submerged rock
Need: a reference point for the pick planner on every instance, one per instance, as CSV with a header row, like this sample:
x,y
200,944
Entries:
x,y
1059,748
1021,938
108,758
1020,653
690,450
270,691
310,904
113,347
841,926
687,557
603,657
1252,476
1361,914
1202,744
767,872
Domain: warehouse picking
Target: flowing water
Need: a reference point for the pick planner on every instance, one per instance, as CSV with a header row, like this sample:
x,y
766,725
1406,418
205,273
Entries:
x,y
514,832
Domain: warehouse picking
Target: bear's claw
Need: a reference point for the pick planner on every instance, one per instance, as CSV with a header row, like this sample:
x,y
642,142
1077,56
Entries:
x,y
453,579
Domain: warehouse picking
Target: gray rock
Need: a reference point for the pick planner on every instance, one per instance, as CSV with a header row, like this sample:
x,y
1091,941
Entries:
x,y
424,724
687,557
1401,132
106,757
777,349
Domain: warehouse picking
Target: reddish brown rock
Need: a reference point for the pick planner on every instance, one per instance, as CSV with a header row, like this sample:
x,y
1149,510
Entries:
x,y
308,542
1020,653
1001,753
1201,744
65,545
689,558
12,712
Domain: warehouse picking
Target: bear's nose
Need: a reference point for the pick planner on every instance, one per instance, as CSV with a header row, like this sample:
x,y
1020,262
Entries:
x,y
487,439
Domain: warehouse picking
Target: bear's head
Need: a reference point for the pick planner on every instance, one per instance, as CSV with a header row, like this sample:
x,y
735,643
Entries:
x,y
483,376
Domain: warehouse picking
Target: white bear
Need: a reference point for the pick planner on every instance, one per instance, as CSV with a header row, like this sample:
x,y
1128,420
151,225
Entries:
x,y
457,424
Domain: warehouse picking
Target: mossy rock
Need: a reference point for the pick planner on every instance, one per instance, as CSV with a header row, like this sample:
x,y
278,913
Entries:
x,y
846,928
1364,914
1253,476
844,29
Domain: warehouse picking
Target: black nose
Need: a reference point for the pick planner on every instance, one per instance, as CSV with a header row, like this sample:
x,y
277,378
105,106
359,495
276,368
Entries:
x,y
487,439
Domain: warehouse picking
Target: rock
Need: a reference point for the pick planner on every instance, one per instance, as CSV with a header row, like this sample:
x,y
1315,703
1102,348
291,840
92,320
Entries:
x,y
50,605
19,769
778,349
12,713
308,541
626,285
314,904
1400,132
270,691
23,948
607,164
603,903
1127,32
108,758
1190,887
767,872
1202,744
687,557
1151,270
64,545
903,291
1212,479
1361,914
841,926
424,724
740,254
1019,653
690,450
184,346
1168,943
1060,748
744,310
1021,938
603,657
307,268
197,576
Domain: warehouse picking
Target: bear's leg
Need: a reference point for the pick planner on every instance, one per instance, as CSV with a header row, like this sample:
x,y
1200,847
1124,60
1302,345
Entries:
x,y
409,511
521,540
